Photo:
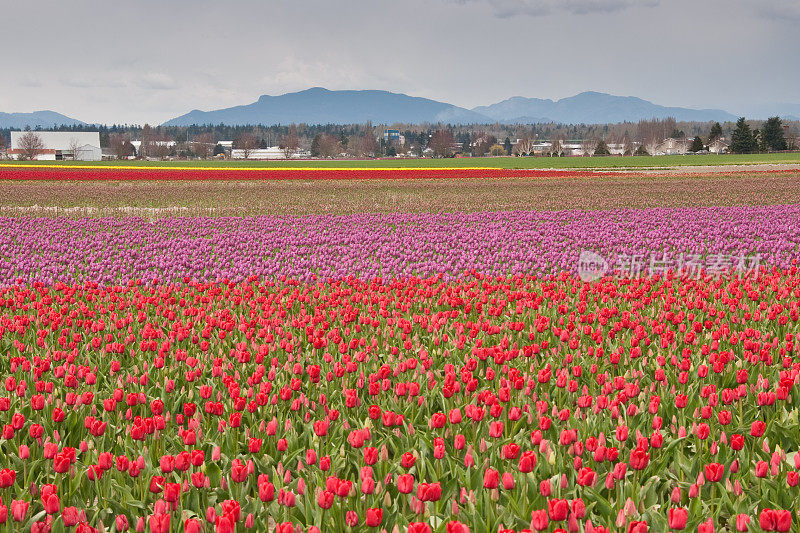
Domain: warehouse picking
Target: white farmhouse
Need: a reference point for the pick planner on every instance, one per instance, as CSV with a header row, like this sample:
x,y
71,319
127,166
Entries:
x,y
60,145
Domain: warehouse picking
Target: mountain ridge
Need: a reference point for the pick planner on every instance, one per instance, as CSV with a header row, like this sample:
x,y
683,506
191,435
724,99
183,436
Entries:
x,y
41,119
318,105
592,107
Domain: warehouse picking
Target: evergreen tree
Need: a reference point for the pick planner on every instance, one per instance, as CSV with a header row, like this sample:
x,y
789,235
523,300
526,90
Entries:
x,y
716,132
507,146
218,149
697,144
772,135
602,148
742,141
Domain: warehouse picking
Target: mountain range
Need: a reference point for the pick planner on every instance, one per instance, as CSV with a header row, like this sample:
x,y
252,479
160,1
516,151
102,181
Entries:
x,y
322,106
37,119
593,108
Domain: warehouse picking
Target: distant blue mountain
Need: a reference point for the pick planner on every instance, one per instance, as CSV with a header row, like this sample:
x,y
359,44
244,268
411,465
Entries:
x,y
40,119
592,108
321,106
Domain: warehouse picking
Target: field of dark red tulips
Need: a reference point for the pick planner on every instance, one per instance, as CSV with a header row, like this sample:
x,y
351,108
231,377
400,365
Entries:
x,y
332,366
34,172
124,173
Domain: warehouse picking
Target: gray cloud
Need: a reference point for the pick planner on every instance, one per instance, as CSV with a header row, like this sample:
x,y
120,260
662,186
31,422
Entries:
x,y
151,60
157,81
540,8
781,10
84,82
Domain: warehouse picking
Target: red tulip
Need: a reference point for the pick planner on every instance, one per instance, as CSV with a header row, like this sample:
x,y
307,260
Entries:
x,y
192,526
638,527
587,477
19,510
325,499
491,478
767,520
639,459
405,483
121,521
429,492
783,520
557,509
706,527
407,460
539,520
159,523
7,477
172,492
51,504
238,471
742,522
374,517
714,472
457,527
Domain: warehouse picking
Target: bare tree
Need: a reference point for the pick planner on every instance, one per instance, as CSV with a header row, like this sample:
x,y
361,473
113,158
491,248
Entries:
x,y
291,142
364,146
442,143
557,145
588,146
120,146
246,142
627,145
524,147
203,145
31,145
329,145
144,147
163,146
2,144
791,141
75,148
650,133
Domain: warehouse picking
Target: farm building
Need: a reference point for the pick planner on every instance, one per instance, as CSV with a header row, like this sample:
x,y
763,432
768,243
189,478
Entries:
x,y
672,146
719,146
58,145
273,152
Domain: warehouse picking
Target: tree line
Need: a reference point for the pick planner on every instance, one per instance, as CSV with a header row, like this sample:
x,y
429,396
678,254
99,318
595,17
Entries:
x,y
367,140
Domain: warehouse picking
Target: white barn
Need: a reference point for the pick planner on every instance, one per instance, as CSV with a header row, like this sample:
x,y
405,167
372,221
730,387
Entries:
x,y
61,145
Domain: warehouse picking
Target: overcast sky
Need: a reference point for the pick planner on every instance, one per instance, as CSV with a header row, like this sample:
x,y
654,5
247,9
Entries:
x,y
138,61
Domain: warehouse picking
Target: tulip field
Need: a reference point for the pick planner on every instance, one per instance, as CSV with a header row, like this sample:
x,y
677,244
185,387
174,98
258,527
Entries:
x,y
384,364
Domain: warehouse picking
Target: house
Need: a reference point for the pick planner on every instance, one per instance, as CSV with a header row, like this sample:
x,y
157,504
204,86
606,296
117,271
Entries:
x,y
273,152
393,136
672,146
719,146
60,145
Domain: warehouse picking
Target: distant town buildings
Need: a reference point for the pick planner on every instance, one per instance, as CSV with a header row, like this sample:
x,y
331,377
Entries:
x,y
55,145
273,152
